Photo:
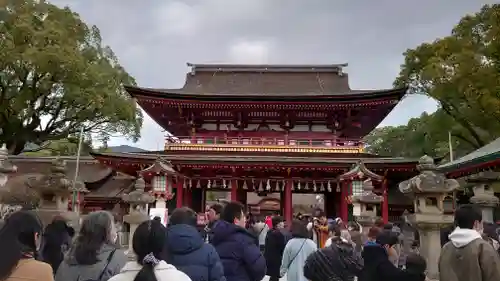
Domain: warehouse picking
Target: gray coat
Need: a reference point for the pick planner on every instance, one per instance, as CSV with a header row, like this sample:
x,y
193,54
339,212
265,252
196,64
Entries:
x,y
70,270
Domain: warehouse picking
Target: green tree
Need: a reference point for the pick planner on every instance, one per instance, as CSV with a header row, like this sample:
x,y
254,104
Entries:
x,y
64,147
425,135
461,72
56,76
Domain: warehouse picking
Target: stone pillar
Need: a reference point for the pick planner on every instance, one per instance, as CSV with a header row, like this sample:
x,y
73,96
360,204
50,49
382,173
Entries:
x,y
429,189
138,201
485,198
368,202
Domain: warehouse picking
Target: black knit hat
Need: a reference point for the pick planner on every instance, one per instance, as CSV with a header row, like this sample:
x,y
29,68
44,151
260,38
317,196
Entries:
x,y
387,237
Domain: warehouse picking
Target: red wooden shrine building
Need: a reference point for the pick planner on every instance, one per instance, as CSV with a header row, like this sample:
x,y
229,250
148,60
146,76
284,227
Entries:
x,y
268,128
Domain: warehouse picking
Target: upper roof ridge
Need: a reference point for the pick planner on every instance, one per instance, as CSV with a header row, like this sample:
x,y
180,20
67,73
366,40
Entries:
x,y
218,67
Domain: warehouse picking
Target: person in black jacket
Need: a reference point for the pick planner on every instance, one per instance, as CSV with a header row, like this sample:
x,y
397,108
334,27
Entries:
x,y
377,266
186,249
56,241
274,247
213,215
238,249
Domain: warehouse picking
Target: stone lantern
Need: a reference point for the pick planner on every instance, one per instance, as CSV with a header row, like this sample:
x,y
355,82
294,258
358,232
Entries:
x,y
54,190
429,189
6,197
484,195
138,201
368,202
5,166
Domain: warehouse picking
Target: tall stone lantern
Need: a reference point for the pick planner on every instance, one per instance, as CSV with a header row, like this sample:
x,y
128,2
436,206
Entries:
x,y
368,202
138,201
484,195
6,198
429,189
54,189
5,166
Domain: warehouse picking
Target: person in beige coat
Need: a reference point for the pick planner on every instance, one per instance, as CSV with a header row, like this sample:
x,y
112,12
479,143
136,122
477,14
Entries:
x,y
467,256
19,242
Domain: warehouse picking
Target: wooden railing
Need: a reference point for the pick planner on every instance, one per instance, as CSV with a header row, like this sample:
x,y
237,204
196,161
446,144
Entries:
x,y
264,141
198,142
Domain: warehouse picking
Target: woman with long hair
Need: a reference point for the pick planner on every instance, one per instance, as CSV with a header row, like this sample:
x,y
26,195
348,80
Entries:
x,y
56,241
148,244
296,252
93,255
19,241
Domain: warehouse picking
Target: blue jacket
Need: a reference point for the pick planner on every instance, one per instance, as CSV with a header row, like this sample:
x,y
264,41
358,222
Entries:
x,y
239,252
187,251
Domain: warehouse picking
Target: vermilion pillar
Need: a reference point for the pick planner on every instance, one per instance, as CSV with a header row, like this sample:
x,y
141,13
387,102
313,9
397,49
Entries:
x,y
385,203
288,202
188,198
344,192
179,196
234,191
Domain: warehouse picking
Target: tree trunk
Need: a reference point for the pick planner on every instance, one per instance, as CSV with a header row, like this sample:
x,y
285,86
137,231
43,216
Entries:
x,y
15,147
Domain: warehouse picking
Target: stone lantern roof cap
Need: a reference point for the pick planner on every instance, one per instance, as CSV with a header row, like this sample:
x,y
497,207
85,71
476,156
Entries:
x,y
430,180
138,195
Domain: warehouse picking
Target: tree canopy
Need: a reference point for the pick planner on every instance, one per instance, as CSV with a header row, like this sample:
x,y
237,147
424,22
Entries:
x,y
424,135
62,147
462,73
57,76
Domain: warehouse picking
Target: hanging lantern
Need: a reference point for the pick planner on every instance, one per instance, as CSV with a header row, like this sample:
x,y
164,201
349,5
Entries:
x,y
322,187
245,187
329,186
198,185
209,184
306,187
190,183
224,183
260,186
298,185
160,184
268,185
314,186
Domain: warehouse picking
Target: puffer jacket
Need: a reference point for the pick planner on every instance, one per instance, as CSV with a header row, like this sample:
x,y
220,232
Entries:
x,y
186,250
239,252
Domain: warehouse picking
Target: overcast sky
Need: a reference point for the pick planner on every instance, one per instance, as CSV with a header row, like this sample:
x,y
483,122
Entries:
x,y
155,38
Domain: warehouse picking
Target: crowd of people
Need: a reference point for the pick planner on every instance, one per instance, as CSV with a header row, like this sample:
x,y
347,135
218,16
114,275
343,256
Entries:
x,y
230,249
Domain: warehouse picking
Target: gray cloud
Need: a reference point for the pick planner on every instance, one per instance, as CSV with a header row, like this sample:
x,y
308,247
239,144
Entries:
x,y
155,38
